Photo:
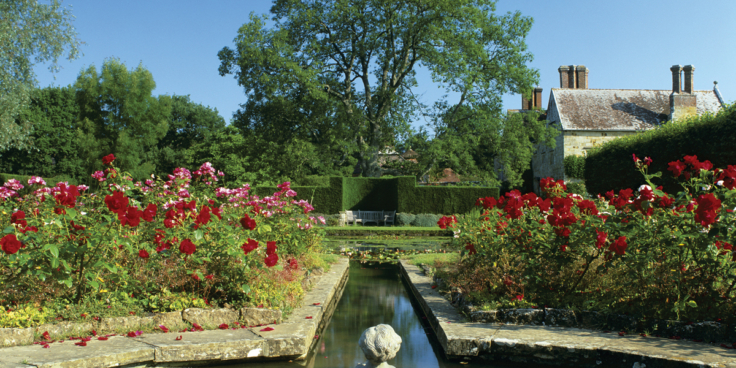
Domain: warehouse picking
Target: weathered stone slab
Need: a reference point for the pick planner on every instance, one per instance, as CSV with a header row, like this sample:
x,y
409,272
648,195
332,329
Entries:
x,y
168,319
289,339
119,324
67,328
260,316
560,317
206,345
210,317
522,316
16,336
116,351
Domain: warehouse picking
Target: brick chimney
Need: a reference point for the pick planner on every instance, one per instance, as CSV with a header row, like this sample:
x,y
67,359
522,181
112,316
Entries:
x,y
683,102
538,98
535,102
565,77
582,77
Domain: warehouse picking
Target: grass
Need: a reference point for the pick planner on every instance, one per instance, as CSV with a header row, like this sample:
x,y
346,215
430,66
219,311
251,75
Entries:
x,y
433,258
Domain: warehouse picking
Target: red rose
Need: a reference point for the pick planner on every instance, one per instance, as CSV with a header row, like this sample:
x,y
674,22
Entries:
x,y
250,246
587,207
217,212
187,247
248,223
729,177
117,202
203,218
17,216
471,249
707,211
10,244
150,212
619,246
130,216
108,159
143,253
600,239
271,260
676,167
271,247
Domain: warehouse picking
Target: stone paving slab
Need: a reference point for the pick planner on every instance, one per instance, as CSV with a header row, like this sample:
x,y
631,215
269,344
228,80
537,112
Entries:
x,y
289,340
553,344
205,345
116,351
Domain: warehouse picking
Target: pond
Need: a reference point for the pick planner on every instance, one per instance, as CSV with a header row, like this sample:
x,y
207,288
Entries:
x,y
374,294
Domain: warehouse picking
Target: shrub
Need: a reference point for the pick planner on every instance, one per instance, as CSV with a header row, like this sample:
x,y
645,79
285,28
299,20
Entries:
x,y
426,220
574,166
709,137
648,254
405,219
577,187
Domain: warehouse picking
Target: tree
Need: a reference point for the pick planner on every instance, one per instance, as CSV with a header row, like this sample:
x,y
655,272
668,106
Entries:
x,y
54,112
29,32
190,123
363,55
119,115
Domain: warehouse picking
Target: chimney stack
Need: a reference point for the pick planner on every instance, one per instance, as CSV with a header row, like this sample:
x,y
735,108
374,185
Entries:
x,y
564,77
538,98
683,103
582,77
535,102
689,83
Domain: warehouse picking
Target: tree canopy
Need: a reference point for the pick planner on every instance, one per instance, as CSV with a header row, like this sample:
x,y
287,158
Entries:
x,y
360,58
119,115
29,33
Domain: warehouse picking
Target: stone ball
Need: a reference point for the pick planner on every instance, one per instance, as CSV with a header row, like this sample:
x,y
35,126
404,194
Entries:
x,y
380,343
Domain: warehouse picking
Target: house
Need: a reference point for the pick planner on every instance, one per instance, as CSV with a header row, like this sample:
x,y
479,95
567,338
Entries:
x,y
589,117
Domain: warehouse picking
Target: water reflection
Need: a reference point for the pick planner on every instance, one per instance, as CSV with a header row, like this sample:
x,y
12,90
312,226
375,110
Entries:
x,y
374,294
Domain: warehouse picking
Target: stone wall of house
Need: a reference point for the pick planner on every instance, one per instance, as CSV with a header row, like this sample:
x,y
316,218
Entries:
x,y
548,162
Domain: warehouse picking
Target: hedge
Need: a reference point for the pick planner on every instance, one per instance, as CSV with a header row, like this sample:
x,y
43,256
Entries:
x,y
398,194
574,166
710,137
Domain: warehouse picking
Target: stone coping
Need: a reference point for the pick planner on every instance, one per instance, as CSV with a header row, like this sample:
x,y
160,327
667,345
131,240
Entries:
x,y
550,344
291,339
380,230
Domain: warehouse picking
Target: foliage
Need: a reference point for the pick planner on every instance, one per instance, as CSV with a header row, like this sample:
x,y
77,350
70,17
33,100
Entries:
x,y
53,111
425,220
650,255
29,33
325,199
144,239
119,115
709,137
24,316
333,52
434,259
404,219
190,123
574,166
577,187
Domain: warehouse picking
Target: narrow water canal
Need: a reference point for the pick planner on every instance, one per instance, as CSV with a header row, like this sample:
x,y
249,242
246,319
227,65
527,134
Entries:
x,y
374,294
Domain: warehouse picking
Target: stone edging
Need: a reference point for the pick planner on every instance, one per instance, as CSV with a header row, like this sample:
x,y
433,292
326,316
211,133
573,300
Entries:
x,y
375,231
291,339
551,344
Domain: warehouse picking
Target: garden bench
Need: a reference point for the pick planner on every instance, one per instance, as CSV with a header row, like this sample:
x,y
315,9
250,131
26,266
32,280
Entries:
x,y
364,217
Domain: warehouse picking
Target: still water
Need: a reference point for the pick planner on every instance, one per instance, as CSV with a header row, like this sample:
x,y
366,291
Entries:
x,y
374,294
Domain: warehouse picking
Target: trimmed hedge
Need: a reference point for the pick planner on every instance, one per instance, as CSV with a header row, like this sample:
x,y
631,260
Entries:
x,y
710,137
398,194
324,199
574,166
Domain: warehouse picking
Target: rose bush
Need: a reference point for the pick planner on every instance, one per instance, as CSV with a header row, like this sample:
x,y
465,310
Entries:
x,y
643,252
182,233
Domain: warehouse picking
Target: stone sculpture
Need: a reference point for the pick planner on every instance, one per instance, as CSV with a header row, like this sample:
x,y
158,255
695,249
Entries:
x,y
379,344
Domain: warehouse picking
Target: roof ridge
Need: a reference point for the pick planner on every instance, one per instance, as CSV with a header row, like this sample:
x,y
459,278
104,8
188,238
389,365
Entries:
x,y
620,89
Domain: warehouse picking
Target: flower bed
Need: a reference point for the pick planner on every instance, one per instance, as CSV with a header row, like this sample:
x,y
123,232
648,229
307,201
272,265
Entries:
x,y
647,253
165,244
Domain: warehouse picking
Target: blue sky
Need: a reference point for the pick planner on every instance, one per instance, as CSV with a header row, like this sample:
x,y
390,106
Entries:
x,y
625,44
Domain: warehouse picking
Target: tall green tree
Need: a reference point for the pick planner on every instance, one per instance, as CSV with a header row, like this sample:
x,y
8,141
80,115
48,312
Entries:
x,y
29,33
119,115
363,55
54,112
190,123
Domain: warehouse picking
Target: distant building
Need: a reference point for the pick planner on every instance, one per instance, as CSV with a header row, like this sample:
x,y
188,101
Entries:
x,y
590,117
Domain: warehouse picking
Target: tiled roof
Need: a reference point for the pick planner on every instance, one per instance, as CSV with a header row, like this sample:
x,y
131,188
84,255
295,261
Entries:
x,y
618,109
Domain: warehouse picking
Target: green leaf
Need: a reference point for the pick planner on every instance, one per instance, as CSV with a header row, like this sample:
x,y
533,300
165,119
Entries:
x,y
67,282
245,288
198,235
692,303
71,213
54,262
9,229
54,250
